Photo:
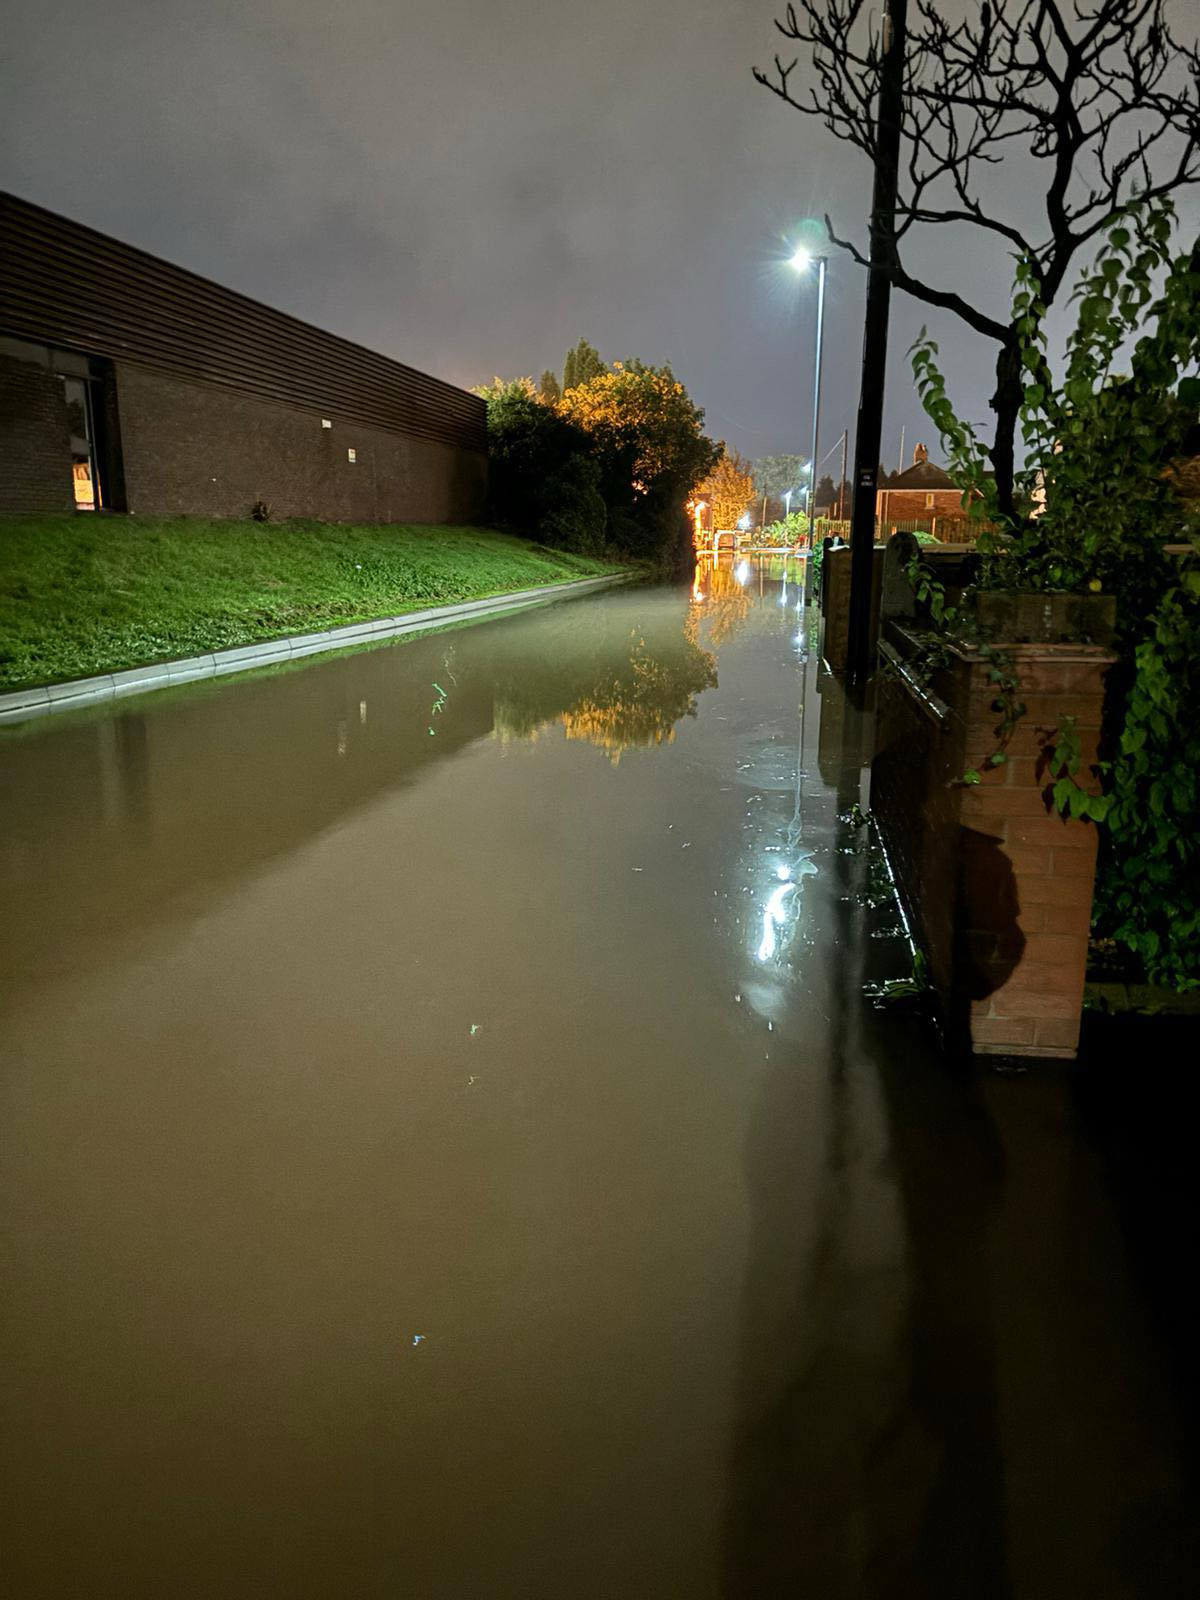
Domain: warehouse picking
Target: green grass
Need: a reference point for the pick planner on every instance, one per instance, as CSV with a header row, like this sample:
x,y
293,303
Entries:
x,y
81,595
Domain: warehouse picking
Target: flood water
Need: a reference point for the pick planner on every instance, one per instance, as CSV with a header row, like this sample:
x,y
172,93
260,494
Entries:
x,y
447,1154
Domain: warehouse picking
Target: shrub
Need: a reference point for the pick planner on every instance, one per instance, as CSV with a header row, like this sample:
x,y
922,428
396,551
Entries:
x,y
575,517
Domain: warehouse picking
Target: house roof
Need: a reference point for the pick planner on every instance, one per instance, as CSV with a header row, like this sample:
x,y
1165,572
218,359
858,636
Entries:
x,y
921,475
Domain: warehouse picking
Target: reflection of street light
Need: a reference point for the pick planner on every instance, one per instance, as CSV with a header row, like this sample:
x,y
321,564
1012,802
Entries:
x,y
801,261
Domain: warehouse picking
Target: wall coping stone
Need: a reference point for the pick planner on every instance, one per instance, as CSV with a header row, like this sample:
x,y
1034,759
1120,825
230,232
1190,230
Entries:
x,y
912,640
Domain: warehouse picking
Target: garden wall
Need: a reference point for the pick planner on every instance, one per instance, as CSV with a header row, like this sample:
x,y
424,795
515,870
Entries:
x,y
997,886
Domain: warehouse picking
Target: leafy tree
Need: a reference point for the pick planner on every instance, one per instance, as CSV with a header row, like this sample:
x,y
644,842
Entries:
x,y
549,388
648,438
774,475
542,479
1096,99
583,363
729,489
826,492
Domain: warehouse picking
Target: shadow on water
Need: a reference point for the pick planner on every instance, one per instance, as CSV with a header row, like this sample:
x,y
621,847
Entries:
x,y
866,1459
967,1364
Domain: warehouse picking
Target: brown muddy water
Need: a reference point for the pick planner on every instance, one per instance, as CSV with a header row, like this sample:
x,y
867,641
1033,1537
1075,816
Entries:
x,y
447,1155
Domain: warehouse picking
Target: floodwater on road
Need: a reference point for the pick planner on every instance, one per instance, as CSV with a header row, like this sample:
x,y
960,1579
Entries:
x,y
447,1155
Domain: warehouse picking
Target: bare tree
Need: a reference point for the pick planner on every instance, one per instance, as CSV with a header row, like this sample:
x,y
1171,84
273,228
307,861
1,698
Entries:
x,y
1096,93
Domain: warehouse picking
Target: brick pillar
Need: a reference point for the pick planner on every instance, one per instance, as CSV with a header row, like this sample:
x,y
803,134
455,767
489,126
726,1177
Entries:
x,y
836,604
1025,880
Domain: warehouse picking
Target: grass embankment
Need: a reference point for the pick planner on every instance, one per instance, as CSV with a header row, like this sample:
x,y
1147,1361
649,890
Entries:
x,y
82,595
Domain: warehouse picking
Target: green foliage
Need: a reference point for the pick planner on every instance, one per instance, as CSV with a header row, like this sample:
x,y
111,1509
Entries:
x,y
542,480
582,364
549,388
787,532
1098,510
775,475
1094,503
82,595
611,465
646,434
1149,878
576,517
1063,761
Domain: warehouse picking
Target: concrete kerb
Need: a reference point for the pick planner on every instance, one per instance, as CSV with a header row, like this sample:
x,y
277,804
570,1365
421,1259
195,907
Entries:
x,y
22,704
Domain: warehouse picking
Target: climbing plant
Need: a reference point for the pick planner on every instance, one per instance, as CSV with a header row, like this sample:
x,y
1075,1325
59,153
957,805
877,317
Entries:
x,y
1096,511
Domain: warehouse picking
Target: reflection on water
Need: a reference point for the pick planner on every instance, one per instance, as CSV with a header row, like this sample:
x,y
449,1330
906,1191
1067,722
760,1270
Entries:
x,y
721,602
623,692
443,1162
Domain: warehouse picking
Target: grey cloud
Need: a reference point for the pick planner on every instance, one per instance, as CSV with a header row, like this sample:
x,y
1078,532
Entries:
x,y
470,185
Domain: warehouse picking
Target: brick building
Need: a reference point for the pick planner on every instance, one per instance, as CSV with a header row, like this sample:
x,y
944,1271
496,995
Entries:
x,y
918,495
129,384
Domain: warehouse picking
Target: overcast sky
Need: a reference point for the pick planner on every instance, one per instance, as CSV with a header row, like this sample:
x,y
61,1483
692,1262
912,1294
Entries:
x,y
470,185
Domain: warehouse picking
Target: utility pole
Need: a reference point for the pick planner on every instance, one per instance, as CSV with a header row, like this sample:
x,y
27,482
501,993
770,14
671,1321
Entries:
x,y
879,290
900,463
842,479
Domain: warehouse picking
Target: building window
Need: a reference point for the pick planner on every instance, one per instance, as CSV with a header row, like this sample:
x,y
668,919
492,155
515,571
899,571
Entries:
x,y
929,502
85,477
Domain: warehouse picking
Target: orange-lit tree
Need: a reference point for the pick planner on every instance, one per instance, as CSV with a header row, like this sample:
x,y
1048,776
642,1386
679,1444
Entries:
x,y
649,439
729,489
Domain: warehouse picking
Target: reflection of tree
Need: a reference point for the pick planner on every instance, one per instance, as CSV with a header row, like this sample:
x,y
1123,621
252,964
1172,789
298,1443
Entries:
x,y
614,689
720,600
642,707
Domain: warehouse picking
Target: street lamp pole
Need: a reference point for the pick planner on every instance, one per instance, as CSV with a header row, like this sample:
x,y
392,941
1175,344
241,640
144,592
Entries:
x,y
822,265
802,260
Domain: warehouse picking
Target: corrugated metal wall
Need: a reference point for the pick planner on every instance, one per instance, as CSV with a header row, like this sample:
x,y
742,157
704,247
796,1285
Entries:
x,y
64,284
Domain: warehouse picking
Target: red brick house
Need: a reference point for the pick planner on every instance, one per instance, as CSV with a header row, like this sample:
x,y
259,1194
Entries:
x,y
918,495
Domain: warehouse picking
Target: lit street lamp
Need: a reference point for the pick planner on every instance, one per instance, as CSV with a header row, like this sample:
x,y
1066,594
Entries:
x,y
801,260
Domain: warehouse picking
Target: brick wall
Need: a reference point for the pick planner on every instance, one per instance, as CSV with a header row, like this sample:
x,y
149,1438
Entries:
x,y
35,451
999,885
195,449
908,505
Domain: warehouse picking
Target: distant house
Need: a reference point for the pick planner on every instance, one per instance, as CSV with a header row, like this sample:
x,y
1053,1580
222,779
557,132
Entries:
x,y
918,495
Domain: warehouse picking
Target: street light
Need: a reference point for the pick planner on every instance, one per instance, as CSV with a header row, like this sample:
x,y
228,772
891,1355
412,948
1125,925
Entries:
x,y
801,260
